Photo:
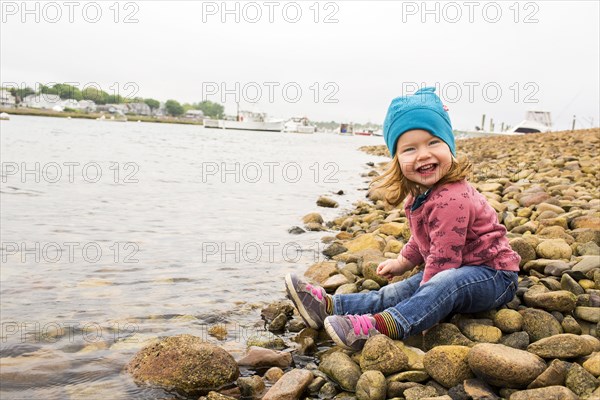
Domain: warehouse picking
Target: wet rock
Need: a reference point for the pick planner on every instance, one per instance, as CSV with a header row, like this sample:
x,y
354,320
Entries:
x,y
314,227
445,334
259,357
508,321
290,386
546,393
581,382
296,230
273,374
539,324
554,249
218,396
184,363
296,325
565,345
327,202
251,386
340,368
269,341
570,284
278,324
590,314
371,386
312,217
381,354
560,300
271,311
517,340
448,364
504,366
334,249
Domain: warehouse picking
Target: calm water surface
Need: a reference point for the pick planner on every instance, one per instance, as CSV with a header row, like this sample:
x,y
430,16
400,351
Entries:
x,y
117,233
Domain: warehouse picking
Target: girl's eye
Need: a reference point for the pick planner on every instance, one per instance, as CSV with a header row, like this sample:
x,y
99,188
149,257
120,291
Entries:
x,y
407,149
435,141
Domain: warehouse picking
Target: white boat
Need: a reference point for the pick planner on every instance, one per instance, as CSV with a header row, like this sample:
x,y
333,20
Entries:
x,y
299,125
248,121
4,116
534,122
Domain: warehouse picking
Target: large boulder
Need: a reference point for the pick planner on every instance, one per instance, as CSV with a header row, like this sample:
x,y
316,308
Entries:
x,y
504,366
185,364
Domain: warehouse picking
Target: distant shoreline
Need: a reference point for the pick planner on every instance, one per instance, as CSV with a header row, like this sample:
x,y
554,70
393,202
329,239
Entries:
x,y
61,114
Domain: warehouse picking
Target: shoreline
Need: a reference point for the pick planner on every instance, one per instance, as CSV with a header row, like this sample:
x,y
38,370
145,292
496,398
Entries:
x,y
544,188
61,114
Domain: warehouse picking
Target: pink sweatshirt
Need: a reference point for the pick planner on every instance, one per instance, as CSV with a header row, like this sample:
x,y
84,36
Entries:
x,y
456,226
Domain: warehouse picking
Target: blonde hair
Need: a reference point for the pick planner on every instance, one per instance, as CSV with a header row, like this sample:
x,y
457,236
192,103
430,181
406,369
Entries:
x,y
397,186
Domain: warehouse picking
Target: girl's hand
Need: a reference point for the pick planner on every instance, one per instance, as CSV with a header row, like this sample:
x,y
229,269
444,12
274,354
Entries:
x,y
389,268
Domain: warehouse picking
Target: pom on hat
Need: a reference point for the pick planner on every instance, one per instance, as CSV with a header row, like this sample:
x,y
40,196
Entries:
x,y
423,110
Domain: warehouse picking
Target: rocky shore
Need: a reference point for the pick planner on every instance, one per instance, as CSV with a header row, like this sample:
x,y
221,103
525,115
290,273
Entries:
x,y
544,344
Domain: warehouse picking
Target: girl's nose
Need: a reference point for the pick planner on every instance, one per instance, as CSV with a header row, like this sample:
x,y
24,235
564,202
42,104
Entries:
x,y
423,154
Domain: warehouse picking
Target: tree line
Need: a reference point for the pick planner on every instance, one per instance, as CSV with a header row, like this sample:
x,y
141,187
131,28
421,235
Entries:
x,y
98,96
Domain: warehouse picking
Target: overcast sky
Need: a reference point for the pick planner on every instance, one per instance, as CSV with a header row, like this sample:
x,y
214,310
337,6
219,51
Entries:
x,y
339,60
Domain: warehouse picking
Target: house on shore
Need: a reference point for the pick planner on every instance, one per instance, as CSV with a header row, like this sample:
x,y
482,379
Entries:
x,y
44,101
7,100
197,115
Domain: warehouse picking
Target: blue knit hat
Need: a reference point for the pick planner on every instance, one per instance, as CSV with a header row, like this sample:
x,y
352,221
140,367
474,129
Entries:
x,y
423,110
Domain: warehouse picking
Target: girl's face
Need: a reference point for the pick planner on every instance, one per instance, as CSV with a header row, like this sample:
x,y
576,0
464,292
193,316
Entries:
x,y
424,159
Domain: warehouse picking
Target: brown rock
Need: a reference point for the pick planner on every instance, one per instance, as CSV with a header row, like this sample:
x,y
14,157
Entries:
x,y
546,393
554,375
259,357
448,364
380,353
184,363
539,324
320,271
565,345
290,386
504,366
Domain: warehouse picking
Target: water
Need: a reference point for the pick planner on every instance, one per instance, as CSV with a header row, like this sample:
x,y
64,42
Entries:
x,y
148,230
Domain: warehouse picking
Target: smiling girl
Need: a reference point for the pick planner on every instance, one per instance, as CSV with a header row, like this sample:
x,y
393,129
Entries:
x,y
469,265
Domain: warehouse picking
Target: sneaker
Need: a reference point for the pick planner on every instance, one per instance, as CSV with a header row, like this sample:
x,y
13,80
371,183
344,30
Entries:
x,y
350,331
309,299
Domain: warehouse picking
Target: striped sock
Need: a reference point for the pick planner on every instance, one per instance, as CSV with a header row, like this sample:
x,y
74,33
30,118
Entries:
x,y
329,304
384,323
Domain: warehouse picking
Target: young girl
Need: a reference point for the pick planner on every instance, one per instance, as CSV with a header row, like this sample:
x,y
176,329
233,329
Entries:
x,y
469,265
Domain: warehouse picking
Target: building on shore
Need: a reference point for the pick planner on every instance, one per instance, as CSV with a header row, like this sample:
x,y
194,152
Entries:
x,y
7,100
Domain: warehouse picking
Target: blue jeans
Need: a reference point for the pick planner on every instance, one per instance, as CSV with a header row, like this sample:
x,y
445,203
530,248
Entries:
x,y
416,308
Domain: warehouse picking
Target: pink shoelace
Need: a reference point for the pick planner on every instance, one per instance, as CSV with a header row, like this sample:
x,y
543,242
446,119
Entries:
x,y
361,322
315,291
